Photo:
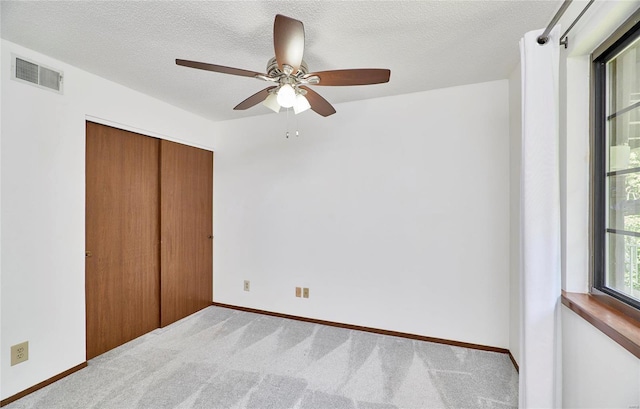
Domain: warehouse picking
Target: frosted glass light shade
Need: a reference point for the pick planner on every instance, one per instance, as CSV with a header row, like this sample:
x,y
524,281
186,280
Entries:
x,y
271,102
286,96
301,105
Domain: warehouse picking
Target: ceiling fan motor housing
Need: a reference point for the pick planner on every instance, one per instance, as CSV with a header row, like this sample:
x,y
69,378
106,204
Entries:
x,y
274,71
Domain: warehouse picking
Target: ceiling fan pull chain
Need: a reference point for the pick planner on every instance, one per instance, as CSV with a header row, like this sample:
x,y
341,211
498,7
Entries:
x,y
287,123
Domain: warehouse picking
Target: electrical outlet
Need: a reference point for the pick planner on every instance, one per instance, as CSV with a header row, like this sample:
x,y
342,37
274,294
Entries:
x,y
19,353
247,285
305,292
298,292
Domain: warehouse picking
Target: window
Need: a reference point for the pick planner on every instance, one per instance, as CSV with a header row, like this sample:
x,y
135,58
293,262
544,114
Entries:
x,y
616,150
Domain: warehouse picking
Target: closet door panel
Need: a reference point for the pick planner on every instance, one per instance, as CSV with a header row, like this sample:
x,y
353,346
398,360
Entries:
x,y
122,264
186,251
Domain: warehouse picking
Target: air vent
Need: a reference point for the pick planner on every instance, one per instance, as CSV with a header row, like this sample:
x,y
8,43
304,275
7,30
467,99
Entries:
x,y
26,71
50,78
31,72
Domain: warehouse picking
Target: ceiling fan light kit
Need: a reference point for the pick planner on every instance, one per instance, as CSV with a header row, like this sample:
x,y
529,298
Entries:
x,y
291,76
271,102
301,105
286,96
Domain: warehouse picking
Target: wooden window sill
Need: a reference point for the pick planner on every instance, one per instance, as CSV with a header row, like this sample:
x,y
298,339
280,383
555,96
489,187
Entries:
x,y
621,328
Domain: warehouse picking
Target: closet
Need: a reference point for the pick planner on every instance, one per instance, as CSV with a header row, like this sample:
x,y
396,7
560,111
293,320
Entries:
x,y
149,242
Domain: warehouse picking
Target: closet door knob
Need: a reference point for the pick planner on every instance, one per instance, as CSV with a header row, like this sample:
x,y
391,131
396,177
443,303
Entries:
x,y
87,254
210,236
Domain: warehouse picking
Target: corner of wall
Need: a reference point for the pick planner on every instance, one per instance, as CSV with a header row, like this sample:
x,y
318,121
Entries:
x,y
515,147
2,74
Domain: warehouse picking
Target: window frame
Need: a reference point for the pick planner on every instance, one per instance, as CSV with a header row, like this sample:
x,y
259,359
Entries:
x,y
627,33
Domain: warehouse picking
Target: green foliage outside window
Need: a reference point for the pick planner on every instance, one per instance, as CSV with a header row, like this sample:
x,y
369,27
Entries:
x,y
632,223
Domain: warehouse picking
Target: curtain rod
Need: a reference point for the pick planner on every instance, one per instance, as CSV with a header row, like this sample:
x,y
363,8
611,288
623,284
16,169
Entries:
x,y
544,37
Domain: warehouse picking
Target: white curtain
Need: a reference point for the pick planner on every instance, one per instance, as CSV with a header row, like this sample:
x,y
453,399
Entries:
x,y
540,369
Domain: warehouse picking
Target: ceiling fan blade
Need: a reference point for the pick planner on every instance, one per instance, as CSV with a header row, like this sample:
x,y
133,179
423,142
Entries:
x,y
254,99
218,68
361,76
288,42
318,104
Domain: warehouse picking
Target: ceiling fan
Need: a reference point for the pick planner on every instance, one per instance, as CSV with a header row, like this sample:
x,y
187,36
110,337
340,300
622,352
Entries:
x,y
290,76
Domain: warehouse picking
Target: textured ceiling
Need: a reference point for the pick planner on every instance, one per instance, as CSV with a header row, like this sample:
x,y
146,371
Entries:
x,y
426,44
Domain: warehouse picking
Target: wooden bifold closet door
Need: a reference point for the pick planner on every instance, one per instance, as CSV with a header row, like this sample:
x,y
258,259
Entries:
x,y
148,234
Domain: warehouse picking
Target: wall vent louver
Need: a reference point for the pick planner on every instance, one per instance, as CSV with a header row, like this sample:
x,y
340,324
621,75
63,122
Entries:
x,y
49,78
36,74
26,70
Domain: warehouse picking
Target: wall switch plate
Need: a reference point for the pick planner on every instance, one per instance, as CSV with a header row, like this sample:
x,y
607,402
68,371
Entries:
x,y
19,353
298,292
305,292
247,285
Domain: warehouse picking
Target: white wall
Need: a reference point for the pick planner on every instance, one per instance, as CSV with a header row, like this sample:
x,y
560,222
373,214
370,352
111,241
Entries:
x,y
515,164
2,74
42,208
394,212
597,372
